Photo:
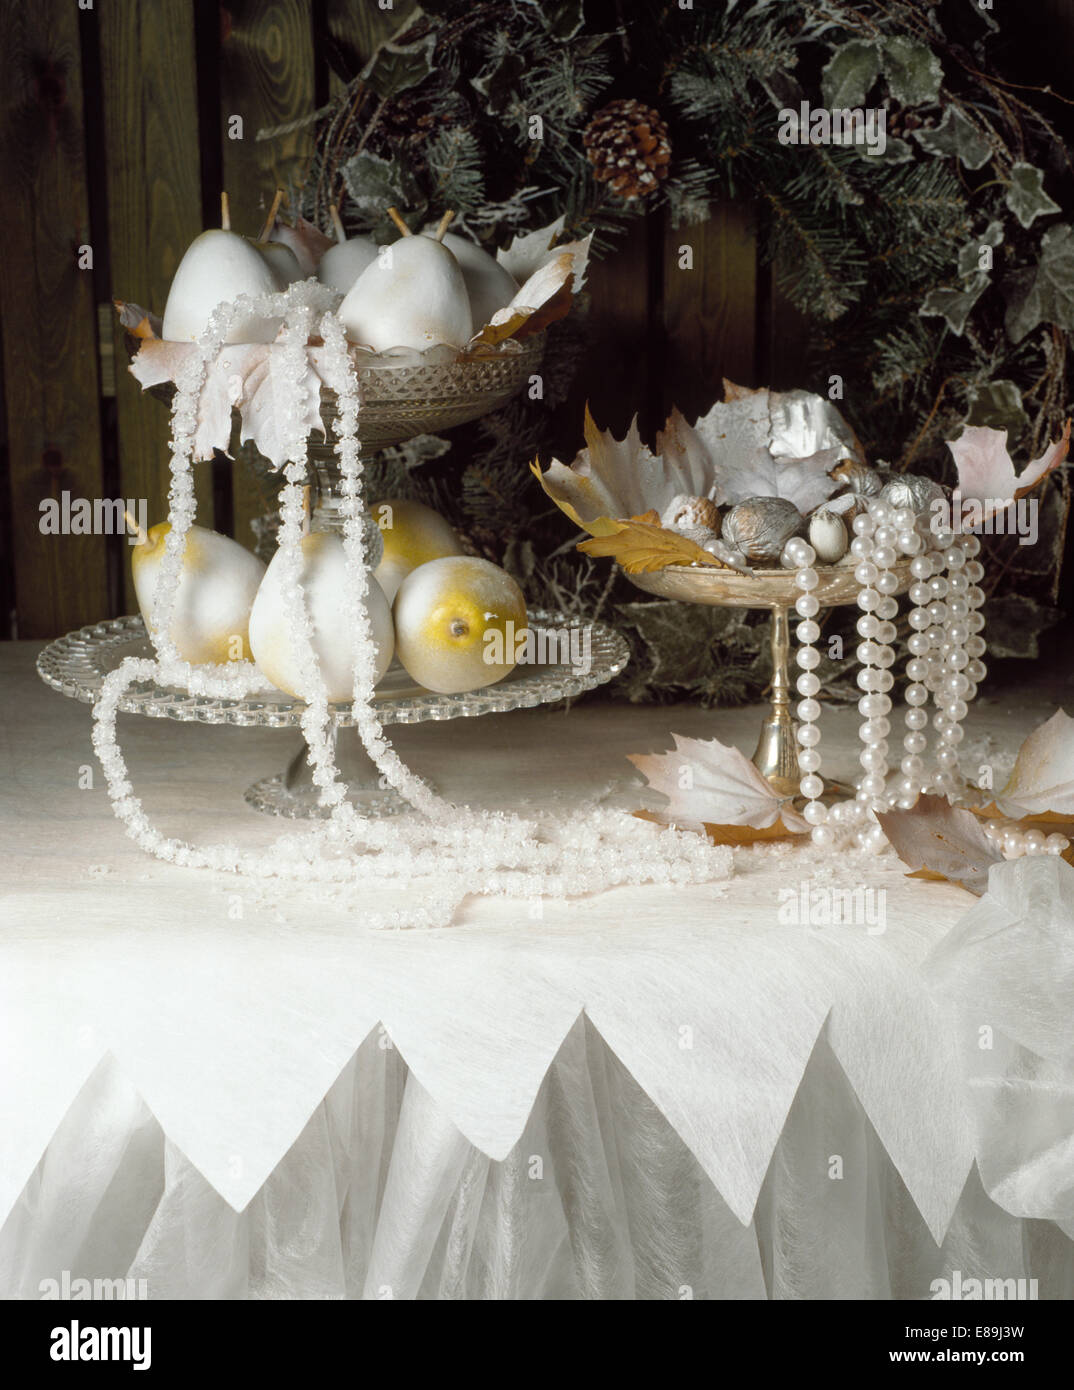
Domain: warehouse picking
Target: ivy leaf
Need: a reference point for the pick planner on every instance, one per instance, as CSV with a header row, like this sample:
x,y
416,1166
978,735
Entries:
x,y
1044,293
498,82
1014,622
939,840
913,72
849,73
375,184
998,405
1026,197
397,65
954,305
969,256
955,135
562,19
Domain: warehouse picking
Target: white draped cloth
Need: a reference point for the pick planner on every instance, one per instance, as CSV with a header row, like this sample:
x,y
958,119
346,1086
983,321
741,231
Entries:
x,y
647,1093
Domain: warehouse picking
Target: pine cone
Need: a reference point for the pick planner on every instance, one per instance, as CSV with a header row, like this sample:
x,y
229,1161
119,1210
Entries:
x,y
627,144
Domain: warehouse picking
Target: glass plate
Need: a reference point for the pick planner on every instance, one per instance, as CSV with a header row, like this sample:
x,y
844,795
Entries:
x,y
76,665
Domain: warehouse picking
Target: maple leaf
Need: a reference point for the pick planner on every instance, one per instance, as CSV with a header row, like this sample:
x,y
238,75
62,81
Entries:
x,y
545,297
724,791
620,477
640,545
986,471
941,841
1042,779
530,250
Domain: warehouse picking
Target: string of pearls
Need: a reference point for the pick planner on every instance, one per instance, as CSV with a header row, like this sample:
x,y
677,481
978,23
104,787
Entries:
x,y
944,663
439,857
1014,842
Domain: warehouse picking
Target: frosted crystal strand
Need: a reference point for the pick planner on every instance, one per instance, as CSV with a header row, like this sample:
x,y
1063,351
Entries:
x,y
458,850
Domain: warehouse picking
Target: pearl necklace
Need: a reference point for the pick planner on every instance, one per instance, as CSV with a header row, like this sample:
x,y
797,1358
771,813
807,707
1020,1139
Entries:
x,y
944,663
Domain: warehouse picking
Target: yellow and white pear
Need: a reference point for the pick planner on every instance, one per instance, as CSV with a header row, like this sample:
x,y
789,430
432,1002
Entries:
x,y
456,621
217,586
413,295
413,534
489,285
323,580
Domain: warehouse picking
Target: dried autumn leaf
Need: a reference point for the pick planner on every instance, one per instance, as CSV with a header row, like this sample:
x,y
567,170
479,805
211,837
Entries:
x,y
1042,778
641,546
724,790
734,834
986,471
621,477
138,322
940,840
545,297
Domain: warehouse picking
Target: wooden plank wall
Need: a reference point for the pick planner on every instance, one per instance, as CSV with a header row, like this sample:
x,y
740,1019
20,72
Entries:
x,y
121,139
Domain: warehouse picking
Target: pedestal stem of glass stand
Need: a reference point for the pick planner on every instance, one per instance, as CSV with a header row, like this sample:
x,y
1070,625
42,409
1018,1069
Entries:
x,y
777,749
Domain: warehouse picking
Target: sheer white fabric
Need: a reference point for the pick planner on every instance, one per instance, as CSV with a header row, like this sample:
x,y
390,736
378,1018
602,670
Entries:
x,y
382,1197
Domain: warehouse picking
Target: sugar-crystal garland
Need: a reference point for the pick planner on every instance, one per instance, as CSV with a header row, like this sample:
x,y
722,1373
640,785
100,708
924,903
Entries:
x,y
944,664
446,852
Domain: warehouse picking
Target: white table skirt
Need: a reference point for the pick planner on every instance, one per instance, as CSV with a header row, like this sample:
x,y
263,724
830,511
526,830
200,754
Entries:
x,y
642,1094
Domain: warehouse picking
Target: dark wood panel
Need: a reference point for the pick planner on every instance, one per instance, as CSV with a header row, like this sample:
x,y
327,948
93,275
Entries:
x,y
709,309
48,315
154,209
267,78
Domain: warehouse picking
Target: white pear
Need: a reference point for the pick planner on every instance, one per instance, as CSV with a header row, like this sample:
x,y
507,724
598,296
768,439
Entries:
x,y
281,260
341,264
489,285
413,295
456,620
413,534
217,587
323,579
218,266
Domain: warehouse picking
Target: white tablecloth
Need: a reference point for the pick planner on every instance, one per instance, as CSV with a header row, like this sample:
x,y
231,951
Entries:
x,y
641,1094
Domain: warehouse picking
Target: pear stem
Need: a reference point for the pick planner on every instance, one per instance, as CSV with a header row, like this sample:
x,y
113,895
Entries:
x,y
444,223
337,223
225,213
270,220
143,538
393,213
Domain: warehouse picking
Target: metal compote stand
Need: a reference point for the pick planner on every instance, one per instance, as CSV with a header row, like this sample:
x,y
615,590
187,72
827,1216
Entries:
x,y
398,404
776,756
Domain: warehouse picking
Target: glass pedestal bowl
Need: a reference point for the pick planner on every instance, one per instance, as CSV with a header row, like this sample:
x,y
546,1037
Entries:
x,y
76,665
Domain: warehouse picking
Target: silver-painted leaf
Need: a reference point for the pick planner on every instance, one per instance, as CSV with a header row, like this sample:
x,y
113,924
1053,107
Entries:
x,y
849,73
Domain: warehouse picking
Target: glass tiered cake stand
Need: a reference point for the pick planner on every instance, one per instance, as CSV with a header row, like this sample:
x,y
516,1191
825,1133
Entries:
x,y
776,756
398,403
